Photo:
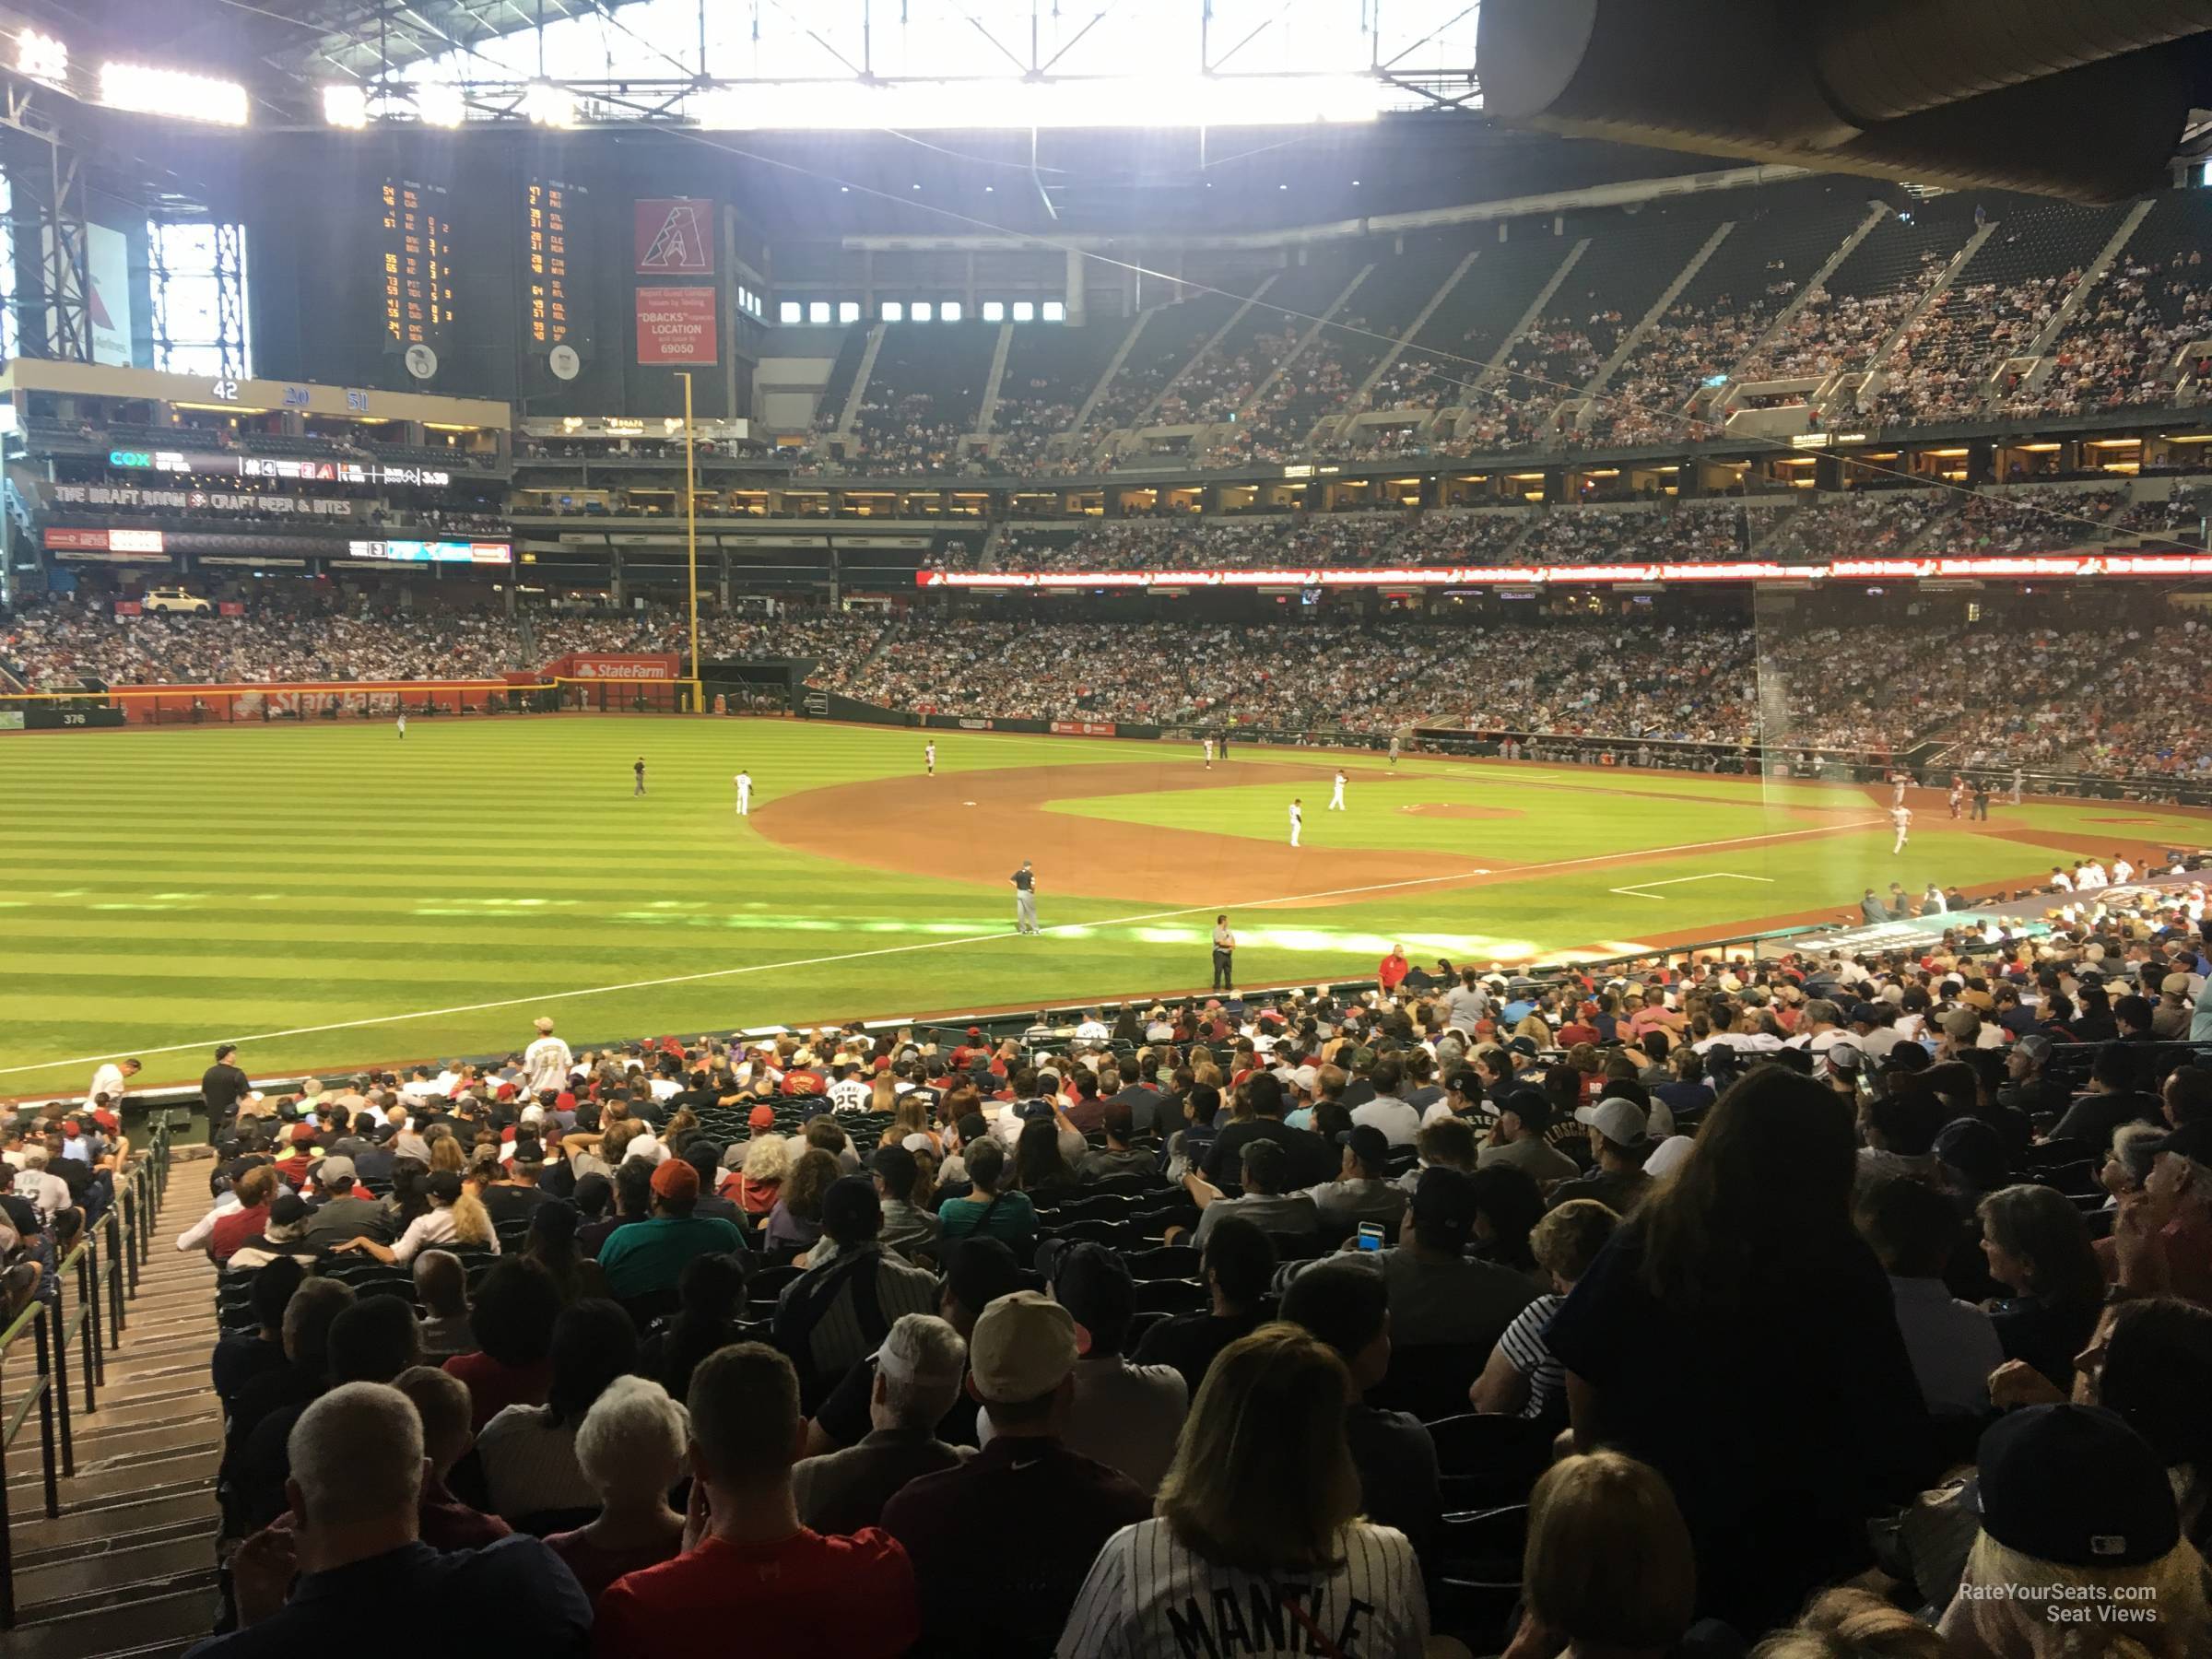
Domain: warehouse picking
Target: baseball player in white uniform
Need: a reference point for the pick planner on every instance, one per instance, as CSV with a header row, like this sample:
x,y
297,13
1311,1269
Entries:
x,y
744,794
1336,795
1297,820
1902,818
403,723
1394,751
929,759
1897,789
1209,754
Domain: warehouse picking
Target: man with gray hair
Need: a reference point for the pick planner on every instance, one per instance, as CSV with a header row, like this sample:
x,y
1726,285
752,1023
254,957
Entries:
x,y
1820,1029
354,1541
918,1375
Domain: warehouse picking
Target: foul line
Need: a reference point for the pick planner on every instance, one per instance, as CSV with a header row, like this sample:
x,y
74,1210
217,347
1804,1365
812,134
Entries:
x,y
889,950
1641,890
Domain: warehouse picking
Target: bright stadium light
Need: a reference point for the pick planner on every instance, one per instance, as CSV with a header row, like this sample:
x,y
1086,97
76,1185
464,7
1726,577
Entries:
x,y
42,57
173,92
345,105
440,104
1106,101
549,105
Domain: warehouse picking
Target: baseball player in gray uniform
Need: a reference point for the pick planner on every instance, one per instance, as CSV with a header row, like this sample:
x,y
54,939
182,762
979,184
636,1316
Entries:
x,y
1025,900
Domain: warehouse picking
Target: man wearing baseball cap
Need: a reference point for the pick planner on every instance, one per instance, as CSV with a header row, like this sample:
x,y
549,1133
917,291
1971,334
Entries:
x,y
1619,1142
346,1209
2029,1088
1362,1190
1437,1295
1518,1138
1006,1539
647,1257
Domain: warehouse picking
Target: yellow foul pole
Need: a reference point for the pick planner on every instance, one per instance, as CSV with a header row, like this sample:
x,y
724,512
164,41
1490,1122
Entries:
x,y
691,537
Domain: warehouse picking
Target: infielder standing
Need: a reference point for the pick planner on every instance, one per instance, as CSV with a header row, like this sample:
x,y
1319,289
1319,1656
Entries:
x,y
1902,818
929,759
640,769
1394,749
2015,786
744,794
1897,789
1025,900
1336,798
1209,754
1225,947
1957,794
1297,820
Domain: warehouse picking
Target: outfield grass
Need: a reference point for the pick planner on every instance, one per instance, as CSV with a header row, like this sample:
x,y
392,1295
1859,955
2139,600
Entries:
x,y
164,889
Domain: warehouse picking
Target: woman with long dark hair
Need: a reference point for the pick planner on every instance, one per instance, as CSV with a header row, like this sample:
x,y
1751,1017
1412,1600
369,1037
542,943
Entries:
x,y
1739,1337
1041,1171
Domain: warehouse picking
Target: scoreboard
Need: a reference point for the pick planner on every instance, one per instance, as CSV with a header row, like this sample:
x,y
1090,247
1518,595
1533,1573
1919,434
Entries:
x,y
414,256
548,207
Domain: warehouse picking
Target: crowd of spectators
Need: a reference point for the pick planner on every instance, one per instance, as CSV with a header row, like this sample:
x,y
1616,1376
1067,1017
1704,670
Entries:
x,y
2121,348
1940,368
1863,525
905,435
63,639
1833,332
1850,1304
1689,343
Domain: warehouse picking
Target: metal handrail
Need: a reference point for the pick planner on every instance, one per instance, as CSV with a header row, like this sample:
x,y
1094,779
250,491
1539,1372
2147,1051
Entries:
x,y
96,1325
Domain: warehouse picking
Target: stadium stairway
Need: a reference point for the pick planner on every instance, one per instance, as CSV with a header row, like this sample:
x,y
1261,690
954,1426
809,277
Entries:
x,y
128,1568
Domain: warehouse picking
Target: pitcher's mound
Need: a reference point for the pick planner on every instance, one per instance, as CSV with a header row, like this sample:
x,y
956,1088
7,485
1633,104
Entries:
x,y
1454,810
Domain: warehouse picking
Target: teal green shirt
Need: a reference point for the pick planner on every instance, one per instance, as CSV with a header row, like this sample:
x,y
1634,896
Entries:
x,y
1016,1217
649,1255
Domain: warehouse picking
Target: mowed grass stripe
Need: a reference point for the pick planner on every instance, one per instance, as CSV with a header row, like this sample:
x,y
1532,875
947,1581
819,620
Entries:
x,y
315,875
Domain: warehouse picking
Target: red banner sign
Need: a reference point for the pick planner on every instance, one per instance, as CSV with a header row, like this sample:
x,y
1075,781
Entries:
x,y
1083,728
677,325
89,541
578,666
230,607
674,237
129,607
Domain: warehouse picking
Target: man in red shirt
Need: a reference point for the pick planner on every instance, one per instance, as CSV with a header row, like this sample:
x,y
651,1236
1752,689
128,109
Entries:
x,y
255,1188
750,1574
1393,969
803,1078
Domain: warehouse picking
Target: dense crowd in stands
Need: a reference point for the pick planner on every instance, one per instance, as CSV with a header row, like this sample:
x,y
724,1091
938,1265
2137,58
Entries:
x,y
62,640
1851,1305
2122,346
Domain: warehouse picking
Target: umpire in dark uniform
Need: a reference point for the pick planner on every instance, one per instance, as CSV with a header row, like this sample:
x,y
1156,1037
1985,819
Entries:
x,y
1225,950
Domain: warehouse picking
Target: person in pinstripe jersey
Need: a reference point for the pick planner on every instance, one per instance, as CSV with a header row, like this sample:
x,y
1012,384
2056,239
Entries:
x,y
1257,1550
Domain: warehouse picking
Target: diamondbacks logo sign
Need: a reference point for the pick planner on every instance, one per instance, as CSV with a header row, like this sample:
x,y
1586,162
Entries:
x,y
676,237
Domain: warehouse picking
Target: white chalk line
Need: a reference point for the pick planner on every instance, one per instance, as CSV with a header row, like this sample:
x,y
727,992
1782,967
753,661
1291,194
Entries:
x,y
1642,890
889,950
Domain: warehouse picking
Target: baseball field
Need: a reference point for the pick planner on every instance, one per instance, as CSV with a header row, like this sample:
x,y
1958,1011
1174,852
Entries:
x,y
331,896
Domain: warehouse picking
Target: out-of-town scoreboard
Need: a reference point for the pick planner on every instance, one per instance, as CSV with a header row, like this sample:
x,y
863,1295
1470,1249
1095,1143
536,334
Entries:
x,y
550,319
415,253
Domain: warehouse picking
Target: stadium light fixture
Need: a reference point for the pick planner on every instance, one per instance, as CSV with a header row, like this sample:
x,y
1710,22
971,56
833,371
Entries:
x,y
42,57
346,104
549,105
440,104
172,92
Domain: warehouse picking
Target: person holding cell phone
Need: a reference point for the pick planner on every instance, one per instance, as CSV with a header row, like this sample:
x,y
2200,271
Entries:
x,y
1437,1294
